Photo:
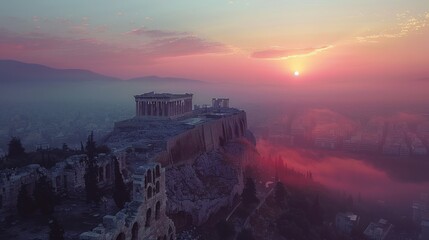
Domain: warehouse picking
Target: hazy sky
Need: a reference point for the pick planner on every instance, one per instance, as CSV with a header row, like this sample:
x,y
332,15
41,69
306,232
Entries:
x,y
242,41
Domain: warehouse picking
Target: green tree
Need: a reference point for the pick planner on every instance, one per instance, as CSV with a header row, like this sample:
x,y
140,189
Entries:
x,y
120,192
249,192
15,148
25,203
44,196
56,231
93,193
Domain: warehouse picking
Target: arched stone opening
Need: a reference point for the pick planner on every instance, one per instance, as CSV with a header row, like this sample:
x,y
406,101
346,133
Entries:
x,y
157,209
135,231
149,192
121,236
158,171
157,187
148,216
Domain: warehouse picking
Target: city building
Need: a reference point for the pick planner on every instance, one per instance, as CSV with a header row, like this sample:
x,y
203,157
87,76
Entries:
x,y
345,222
327,142
420,208
379,230
396,147
417,146
425,230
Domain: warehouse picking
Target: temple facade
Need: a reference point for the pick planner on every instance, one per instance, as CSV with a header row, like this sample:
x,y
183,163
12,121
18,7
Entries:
x,y
163,105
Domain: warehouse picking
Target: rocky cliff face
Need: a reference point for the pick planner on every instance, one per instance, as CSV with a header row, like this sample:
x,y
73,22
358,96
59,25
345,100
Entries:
x,y
201,188
204,156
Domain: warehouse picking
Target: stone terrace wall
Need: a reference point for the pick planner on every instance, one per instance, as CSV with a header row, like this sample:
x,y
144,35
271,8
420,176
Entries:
x,y
205,137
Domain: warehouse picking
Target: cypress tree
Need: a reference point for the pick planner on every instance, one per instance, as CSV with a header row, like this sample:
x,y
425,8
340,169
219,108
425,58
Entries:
x,y
93,193
44,196
120,193
15,148
56,230
25,203
249,192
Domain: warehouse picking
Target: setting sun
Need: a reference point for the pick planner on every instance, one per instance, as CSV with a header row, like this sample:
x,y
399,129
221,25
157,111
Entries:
x,y
296,73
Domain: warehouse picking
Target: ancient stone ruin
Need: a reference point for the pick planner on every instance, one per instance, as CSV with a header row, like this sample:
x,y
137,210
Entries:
x,y
144,217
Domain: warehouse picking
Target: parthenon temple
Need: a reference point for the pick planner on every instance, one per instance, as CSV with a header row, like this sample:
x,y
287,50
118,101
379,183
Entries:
x,y
163,105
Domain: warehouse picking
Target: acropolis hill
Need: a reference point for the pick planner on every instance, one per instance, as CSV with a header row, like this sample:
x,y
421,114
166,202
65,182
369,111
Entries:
x,y
203,150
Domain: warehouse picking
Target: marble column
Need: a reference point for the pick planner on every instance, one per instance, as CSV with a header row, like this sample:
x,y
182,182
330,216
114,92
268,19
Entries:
x,y
175,108
137,108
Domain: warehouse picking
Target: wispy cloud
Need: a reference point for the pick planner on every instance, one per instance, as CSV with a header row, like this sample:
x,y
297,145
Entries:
x,y
184,46
91,48
161,43
283,53
406,25
155,33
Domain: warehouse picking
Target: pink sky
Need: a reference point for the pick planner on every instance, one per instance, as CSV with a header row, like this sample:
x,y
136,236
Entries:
x,y
235,41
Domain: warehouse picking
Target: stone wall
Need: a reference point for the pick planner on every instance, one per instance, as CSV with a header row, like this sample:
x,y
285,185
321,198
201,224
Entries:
x,y
144,217
205,137
66,177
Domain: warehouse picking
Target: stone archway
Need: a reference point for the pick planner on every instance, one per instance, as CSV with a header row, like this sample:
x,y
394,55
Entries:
x,y
157,187
157,209
158,171
148,216
149,192
121,236
135,231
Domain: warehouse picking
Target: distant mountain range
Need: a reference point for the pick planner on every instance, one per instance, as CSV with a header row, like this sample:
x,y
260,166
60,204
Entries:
x,y
156,79
12,71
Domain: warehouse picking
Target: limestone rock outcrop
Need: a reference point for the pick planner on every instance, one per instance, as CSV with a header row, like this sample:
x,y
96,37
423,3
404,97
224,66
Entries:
x,y
210,182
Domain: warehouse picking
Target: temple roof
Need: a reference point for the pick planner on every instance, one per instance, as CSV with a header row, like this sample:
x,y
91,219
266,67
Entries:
x,y
164,96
